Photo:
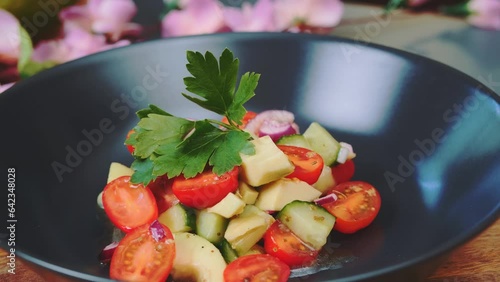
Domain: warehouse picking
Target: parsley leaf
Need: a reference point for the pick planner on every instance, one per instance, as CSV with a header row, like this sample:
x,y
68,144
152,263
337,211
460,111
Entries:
x,y
165,144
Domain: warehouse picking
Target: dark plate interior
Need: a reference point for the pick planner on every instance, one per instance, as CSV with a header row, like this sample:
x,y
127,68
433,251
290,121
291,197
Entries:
x,y
427,136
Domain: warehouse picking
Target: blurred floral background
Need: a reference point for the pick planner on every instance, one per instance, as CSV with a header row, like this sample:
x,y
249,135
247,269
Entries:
x,y
37,35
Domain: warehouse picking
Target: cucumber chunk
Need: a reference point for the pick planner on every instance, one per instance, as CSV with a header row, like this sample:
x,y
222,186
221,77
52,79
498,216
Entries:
x,y
322,142
211,226
308,221
297,140
179,218
227,252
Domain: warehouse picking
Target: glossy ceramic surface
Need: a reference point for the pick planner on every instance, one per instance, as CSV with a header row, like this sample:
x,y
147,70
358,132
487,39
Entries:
x,y
426,135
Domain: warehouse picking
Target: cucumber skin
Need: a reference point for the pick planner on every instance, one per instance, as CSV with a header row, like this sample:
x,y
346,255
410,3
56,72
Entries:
x,y
297,140
189,218
284,213
322,142
227,252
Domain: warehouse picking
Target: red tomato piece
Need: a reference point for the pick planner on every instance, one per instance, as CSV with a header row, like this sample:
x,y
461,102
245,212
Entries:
x,y
128,205
206,189
308,164
279,241
162,190
249,115
255,268
343,172
357,206
142,257
130,148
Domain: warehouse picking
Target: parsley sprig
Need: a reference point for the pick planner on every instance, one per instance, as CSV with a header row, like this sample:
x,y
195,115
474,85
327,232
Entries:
x,y
166,144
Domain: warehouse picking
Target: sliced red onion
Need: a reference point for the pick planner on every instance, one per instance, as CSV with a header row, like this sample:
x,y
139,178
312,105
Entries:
x,y
275,123
276,130
326,199
107,253
157,231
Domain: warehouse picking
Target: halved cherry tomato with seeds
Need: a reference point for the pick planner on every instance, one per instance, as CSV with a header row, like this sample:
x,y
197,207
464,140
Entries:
x,y
256,268
357,206
128,205
205,189
143,256
308,164
279,241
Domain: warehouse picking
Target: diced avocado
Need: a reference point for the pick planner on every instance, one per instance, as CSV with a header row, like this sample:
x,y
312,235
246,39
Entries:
x,y
247,229
275,195
179,218
268,163
322,142
196,259
247,193
308,221
228,207
118,170
297,140
211,226
325,181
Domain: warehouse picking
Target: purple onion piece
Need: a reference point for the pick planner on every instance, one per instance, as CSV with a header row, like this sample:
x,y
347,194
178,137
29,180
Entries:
x,y
326,199
107,253
276,116
276,130
157,231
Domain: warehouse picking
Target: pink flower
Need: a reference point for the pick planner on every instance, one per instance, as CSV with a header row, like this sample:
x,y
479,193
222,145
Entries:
x,y
484,14
75,44
196,17
313,13
259,17
4,87
110,17
10,38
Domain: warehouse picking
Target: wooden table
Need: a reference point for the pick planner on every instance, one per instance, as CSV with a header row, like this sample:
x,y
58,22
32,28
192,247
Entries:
x,y
477,260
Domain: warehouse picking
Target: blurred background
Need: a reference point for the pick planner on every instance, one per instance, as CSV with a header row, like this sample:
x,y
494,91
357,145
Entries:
x,y
464,34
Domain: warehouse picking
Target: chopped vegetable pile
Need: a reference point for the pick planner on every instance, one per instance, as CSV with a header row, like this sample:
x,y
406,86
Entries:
x,y
244,198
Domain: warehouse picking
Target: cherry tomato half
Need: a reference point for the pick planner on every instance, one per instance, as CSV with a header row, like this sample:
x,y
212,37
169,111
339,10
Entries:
x,y
279,241
343,172
162,190
256,268
249,115
130,148
206,189
141,257
357,206
128,205
308,164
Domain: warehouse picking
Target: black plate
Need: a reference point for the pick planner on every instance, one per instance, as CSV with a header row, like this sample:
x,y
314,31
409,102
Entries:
x,y
426,135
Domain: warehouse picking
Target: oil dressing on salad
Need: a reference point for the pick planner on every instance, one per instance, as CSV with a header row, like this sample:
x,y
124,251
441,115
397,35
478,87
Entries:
x,y
248,197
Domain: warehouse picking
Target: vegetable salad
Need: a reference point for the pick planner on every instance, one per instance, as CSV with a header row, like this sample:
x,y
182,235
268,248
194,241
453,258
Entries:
x,y
245,198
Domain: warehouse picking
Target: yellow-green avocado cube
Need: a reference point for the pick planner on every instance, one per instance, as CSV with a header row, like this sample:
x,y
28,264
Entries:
x,y
268,163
